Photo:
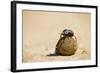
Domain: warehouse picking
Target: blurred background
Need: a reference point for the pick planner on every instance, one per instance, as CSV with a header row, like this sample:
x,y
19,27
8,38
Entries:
x,y
42,29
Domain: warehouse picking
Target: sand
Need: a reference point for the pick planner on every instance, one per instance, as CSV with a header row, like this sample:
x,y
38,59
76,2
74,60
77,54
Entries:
x,y
42,29
47,56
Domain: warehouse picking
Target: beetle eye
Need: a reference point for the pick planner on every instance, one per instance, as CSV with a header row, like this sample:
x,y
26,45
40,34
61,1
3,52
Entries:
x,y
66,32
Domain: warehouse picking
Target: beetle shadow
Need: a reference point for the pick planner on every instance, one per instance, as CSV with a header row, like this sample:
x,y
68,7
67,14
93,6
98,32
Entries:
x,y
53,54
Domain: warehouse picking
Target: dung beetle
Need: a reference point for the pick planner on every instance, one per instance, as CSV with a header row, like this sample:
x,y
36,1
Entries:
x,y
67,33
67,44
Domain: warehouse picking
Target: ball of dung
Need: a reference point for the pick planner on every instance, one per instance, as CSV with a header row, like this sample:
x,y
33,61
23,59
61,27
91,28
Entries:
x,y
66,46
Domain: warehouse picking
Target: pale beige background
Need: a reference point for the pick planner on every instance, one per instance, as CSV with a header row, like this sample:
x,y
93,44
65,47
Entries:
x,y
41,31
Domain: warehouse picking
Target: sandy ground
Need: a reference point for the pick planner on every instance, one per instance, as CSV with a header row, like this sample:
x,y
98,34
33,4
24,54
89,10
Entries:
x,y
42,29
46,56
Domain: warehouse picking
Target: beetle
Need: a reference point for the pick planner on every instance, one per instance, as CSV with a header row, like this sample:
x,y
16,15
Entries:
x,y
67,45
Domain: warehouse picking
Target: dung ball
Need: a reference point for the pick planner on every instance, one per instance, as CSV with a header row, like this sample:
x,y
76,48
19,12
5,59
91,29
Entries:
x,y
67,45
